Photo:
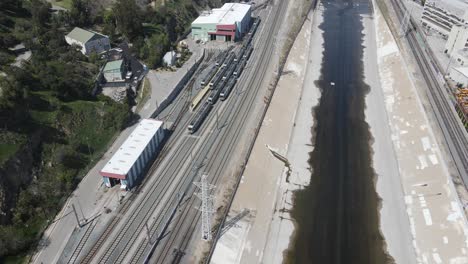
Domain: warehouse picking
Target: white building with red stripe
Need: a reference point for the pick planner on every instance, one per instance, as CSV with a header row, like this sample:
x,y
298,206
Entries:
x,y
132,158
228,23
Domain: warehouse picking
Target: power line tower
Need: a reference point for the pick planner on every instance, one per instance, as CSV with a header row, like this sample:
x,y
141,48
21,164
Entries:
x,y
405,23
207,205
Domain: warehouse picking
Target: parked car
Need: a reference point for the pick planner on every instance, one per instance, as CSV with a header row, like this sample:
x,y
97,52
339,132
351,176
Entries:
x,y
128,76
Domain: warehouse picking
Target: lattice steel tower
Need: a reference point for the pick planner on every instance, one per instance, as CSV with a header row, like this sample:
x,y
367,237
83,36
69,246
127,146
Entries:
x,y
405,23
206,207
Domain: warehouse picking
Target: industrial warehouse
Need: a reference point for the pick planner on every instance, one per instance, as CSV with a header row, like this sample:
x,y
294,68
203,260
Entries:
x,y
128,163
228,23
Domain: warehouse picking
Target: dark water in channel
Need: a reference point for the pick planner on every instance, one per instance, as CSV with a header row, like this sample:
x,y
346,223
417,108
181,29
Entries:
x,y
337,214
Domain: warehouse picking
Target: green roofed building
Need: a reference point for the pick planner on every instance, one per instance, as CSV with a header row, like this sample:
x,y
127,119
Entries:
x,y
89,41
114,71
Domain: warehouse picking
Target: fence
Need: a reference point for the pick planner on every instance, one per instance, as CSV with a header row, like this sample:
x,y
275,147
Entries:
x,y
179,86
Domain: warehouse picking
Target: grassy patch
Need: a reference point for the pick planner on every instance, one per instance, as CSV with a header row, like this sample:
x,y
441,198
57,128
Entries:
x,y
6,151
62,3
150,29
10,143
144,95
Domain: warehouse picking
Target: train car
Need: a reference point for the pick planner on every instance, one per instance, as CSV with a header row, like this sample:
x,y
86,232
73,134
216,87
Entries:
x,y
240,67
255,26
209,76
229,71
221,58
227,89
248,52
214,95
199,117
229,60
240,54
218,77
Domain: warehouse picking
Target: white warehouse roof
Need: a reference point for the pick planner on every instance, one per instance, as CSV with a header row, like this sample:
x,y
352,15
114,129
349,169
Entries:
x,y
228,14
134,145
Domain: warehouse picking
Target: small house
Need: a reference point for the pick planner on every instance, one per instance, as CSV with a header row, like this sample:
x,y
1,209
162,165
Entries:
x,y
89,41
114,71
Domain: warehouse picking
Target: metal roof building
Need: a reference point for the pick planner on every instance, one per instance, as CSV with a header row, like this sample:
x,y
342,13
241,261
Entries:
x,y
89,41
228,23
133,156
442,15
114,71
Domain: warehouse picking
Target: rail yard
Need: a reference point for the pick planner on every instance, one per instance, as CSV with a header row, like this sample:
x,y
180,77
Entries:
x,y
219,107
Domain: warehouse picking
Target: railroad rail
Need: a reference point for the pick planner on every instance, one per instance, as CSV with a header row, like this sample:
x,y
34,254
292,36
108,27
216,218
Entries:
x,y
449,123
251,96
123,240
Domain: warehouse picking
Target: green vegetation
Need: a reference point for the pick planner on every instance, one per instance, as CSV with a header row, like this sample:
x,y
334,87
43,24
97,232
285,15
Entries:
x,y
47,107
48,103
144,95
10,142
151,30
67,4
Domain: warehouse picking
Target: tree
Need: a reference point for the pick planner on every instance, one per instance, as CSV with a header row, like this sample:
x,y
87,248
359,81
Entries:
x,y
109,24
128,18
39,10
156,46
80,13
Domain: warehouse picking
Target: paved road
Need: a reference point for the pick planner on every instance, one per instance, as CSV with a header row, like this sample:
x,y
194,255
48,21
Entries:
x,y
208,151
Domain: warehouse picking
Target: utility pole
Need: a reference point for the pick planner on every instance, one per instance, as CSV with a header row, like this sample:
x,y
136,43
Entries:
x,y
76,215
207,206
450,53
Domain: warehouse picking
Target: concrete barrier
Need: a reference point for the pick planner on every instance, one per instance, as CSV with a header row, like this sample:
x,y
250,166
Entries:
x,y
178,88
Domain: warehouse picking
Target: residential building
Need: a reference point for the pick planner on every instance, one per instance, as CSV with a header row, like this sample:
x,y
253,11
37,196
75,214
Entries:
x,y
440,16
89,41
127,165
114,71
228,23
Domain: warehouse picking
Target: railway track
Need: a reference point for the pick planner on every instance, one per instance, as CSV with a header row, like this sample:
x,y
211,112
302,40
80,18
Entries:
x,y
453,132
122,253
167,147
134,226
137,218
82,242
216,167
